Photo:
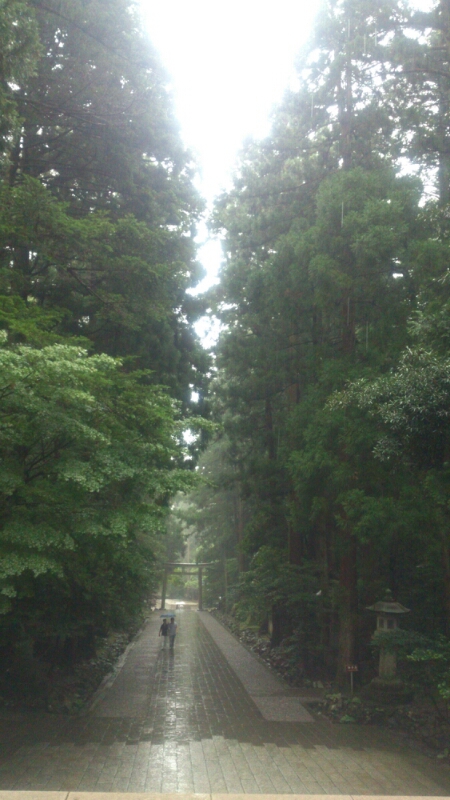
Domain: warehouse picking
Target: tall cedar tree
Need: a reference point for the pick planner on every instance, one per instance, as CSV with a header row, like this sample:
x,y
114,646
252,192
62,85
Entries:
x,y
97,131
97,216
317,228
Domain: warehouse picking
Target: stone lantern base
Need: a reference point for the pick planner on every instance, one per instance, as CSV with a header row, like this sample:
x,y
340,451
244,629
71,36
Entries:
x,y
386,691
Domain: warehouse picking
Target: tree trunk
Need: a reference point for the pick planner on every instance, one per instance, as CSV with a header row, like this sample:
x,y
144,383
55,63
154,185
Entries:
x,y
445,549
443,84
278,616
348,326
348,606
295,544
270,440
239,530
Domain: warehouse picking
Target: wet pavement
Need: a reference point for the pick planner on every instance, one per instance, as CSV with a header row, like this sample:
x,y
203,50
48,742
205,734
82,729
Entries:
x,y
205,718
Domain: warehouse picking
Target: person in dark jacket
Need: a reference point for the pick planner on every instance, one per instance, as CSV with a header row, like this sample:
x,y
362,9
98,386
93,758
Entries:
x,y
163,631
172,631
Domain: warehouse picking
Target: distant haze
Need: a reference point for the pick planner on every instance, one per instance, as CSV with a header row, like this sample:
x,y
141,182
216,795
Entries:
x,y
229,64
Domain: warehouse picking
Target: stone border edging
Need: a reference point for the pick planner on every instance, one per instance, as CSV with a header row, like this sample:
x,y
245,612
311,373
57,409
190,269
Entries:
x,y
101,690
30,795
272,696
294,690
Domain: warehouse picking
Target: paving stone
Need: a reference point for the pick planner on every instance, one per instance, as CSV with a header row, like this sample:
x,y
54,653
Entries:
x,y
184,722
32,795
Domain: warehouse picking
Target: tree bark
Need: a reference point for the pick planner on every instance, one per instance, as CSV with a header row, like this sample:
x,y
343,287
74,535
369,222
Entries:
x,y
443,84
270,441
348,606
445,549
295,544
239,530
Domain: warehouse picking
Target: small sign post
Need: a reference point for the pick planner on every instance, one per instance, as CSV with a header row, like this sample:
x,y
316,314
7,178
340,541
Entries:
x,y
351,668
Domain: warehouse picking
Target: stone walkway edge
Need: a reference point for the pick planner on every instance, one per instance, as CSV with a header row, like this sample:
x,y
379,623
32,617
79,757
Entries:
x,y
180,725
12,795
276,701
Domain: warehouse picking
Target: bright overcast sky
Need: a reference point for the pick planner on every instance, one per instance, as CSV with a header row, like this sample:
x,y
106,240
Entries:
x,y
229,63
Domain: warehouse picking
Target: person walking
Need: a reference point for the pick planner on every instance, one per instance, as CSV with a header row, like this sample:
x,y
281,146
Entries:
x,y
172,631
164,632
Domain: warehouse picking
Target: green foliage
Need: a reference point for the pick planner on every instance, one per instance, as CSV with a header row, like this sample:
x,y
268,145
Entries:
x,y
20,50
99,358
115,255
402,642
87,456
413,403
424,662
435,660
336,429
271,582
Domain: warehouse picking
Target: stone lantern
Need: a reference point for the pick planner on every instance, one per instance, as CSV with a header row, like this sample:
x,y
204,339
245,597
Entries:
x,y
387,687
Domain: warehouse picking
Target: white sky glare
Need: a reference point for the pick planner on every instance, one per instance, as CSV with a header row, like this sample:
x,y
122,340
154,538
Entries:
x,y
229,64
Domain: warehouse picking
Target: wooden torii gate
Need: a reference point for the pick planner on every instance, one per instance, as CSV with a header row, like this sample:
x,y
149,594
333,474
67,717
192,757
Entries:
x,y
189,569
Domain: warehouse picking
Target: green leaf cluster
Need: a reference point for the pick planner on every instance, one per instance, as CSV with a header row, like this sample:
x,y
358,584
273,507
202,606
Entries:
x,y
331,383
98,357
86,451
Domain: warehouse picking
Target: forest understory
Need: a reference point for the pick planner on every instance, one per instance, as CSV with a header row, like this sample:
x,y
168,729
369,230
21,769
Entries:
x,y
420,724
30,684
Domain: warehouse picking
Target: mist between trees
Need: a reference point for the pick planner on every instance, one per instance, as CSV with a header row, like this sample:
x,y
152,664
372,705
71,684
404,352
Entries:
x,y
329,481
324,478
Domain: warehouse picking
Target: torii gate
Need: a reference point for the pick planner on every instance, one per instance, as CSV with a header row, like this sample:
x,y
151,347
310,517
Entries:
x,y
170,566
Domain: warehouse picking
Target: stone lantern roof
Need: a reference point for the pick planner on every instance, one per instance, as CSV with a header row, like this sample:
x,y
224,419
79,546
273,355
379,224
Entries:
x,y
388,606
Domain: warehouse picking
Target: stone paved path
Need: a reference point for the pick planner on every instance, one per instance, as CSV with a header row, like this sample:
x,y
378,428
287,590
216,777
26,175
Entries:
x,y
275,700
183,722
